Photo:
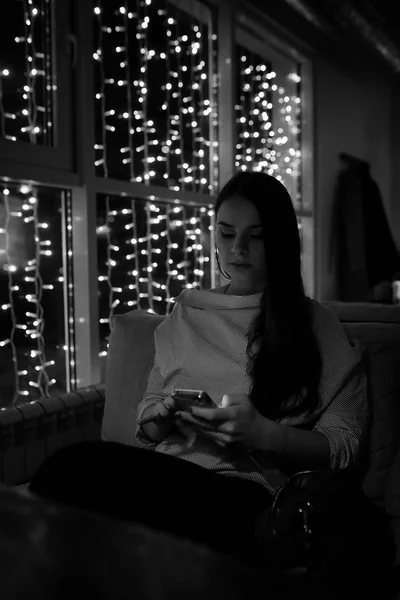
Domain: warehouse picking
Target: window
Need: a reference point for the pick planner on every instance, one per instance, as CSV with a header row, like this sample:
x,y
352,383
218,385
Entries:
x,y
146,249
156,126
35,84
155,102
119,121
268,107
27,83
273,123
36,295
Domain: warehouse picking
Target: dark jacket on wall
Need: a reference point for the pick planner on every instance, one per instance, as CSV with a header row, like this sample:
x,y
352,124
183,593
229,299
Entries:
x,y
365,251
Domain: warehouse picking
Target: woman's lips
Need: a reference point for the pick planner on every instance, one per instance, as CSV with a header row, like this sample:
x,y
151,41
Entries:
x,y
240,266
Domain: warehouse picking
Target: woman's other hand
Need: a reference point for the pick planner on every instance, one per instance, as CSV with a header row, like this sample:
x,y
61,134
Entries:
x,y
236,423
157,420
160,411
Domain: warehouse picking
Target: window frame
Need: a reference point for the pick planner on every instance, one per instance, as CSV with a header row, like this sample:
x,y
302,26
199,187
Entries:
x,y
90,365
71,165
259,40
59,156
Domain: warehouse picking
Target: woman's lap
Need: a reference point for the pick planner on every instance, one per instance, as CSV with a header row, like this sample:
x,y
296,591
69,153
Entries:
x,y
163,492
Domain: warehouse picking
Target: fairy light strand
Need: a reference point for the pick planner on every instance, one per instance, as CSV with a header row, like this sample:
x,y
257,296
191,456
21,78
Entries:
x,y
136,272
185,248
169,278
110,261
43,386
129,113
30,117
68,280
47,84
11,290
267,119
149,255
198,123
27,268
143,93
183,179
31,72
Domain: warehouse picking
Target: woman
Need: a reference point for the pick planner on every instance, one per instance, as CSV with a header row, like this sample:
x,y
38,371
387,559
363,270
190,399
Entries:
x,y
290,389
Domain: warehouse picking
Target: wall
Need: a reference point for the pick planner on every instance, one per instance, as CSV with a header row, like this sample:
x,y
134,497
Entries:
x,y
353,114
395,155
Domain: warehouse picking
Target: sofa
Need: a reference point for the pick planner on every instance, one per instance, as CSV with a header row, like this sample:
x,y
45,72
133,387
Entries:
x,y
377,327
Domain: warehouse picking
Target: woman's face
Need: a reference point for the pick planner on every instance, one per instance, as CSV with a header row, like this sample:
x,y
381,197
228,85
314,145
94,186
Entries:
x,y
239,238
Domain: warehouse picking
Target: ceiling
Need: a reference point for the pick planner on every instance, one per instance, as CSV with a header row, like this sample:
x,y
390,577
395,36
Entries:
x,y
370,27
386,13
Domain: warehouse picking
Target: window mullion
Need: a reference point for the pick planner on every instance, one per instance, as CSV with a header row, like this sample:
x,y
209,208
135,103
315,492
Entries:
x,y
85,269
311,272
226,69
226,106
84,208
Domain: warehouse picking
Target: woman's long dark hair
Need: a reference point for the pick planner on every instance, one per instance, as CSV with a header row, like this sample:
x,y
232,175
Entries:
x,y
284,361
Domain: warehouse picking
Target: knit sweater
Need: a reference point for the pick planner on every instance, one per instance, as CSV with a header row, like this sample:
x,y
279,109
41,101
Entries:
x,y
201,345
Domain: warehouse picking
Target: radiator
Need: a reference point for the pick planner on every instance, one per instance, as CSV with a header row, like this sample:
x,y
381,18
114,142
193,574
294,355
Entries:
x,y
32,432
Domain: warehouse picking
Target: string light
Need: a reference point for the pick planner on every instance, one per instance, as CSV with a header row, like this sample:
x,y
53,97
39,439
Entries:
x,y
156,124
26,96
29,266
268,121
155,96
156,111
68,282
147,251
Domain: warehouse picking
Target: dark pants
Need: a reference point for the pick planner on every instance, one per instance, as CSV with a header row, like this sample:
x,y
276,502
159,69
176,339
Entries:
x,y
161,491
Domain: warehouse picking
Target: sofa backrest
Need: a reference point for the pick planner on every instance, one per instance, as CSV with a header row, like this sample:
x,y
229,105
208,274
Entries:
x,y
377,327
129,362
131,358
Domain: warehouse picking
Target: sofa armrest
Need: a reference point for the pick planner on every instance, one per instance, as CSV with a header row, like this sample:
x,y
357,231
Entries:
x,y
30,433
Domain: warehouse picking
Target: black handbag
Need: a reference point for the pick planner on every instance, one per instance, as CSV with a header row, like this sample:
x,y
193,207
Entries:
x,y
321,523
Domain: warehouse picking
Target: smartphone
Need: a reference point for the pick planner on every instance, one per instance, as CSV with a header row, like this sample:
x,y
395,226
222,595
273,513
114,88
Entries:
x,y
188,398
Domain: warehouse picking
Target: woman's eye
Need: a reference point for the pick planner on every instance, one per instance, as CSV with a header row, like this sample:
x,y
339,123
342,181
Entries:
x,y
256,237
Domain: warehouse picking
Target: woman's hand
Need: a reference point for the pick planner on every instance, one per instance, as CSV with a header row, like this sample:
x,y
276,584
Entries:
x,y
159,412
237,423
158,419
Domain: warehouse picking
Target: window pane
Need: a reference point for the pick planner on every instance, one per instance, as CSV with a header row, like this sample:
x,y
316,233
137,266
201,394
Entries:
x,y
26,80
155,95
268,114
35,227
306,230
146,253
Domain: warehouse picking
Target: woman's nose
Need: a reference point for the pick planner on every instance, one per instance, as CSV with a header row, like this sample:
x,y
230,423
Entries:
x,y
240,246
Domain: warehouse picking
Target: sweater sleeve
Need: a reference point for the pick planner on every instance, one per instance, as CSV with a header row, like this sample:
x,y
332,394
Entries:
x,y
343,392
152,395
